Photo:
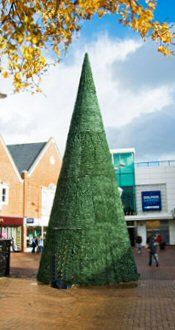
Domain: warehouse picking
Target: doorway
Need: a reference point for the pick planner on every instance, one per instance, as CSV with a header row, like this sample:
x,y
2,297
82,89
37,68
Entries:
x,y
131,231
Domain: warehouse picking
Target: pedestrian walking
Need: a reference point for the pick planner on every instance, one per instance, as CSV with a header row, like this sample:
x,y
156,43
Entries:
x,y
41,244
152,248
160,242
139,243
34,244
13,247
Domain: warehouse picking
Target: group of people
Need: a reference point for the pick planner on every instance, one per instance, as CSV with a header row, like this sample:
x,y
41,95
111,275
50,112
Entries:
x,y
152,243
37,244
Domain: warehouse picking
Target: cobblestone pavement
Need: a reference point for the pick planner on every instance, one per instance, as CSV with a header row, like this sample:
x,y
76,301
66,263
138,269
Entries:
x,y
25,304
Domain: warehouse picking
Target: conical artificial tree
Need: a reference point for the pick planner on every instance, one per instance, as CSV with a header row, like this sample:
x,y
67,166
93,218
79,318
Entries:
x,y
87,232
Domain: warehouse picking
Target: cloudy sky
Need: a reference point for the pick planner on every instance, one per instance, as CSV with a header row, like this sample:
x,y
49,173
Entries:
x,y
135,87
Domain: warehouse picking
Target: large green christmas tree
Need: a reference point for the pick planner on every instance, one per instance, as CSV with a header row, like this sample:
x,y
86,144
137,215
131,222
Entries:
x,y
87,231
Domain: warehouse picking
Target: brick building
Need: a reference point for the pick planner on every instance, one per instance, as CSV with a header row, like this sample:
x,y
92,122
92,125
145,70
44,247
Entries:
x,y
28,178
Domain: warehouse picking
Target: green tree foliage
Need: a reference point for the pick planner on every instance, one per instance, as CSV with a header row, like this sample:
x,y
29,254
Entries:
x,y
87,231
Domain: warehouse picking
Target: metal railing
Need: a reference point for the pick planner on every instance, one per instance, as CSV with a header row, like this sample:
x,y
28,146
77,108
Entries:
x,y
161,163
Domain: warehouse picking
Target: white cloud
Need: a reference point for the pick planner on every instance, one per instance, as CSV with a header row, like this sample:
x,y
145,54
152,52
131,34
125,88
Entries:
x,y
26,118
152,135
128,105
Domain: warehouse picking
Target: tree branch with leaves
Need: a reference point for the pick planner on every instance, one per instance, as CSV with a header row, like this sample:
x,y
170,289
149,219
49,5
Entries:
x,y
30,29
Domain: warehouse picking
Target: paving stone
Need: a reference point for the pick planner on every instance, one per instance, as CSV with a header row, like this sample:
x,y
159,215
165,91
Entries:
x,y
25,304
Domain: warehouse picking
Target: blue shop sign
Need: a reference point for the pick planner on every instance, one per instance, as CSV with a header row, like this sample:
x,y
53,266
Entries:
x,y
30,220
151,201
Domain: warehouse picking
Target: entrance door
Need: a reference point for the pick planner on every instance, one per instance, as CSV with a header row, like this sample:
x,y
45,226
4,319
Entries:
x,y
131,232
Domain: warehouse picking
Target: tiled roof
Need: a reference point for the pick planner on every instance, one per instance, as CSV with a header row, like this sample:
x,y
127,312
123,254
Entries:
x,y
24,155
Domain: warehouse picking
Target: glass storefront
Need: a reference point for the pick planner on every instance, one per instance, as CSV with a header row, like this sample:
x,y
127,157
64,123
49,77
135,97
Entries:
x,y
129,200
15,233
125,173
33,231
158,227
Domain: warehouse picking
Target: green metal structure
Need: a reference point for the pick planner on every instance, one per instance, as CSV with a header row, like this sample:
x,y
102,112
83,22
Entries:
x,y
87,231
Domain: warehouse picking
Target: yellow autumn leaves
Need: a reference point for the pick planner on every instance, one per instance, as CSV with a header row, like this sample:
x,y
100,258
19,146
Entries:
x,y
30,29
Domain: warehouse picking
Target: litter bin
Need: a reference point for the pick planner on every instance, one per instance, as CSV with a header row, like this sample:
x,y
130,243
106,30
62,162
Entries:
x,y
5,257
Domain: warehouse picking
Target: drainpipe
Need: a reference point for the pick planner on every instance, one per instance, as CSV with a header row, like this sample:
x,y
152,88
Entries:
x,y
25,188
0,196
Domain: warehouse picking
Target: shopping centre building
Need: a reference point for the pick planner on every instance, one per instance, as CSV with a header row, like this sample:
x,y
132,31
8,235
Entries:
x,y
148,195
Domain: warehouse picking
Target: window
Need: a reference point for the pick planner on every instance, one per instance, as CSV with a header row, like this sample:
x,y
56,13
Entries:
x,y
47,199
4,192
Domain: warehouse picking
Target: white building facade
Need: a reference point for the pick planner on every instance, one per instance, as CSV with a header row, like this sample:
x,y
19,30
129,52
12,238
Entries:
x,y
155,199
148,195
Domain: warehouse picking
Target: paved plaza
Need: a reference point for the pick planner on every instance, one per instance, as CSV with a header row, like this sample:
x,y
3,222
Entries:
x,y
27,305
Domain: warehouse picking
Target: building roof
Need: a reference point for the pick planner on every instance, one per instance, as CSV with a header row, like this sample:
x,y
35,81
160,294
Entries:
x,y
123,150
24,155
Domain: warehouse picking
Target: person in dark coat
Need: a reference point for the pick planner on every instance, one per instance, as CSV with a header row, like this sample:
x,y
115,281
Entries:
x,y
152,248
34,244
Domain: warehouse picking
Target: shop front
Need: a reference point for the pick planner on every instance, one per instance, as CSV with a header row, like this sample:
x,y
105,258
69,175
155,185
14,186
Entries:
x,y
12,228
35,227
158,227
146,225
